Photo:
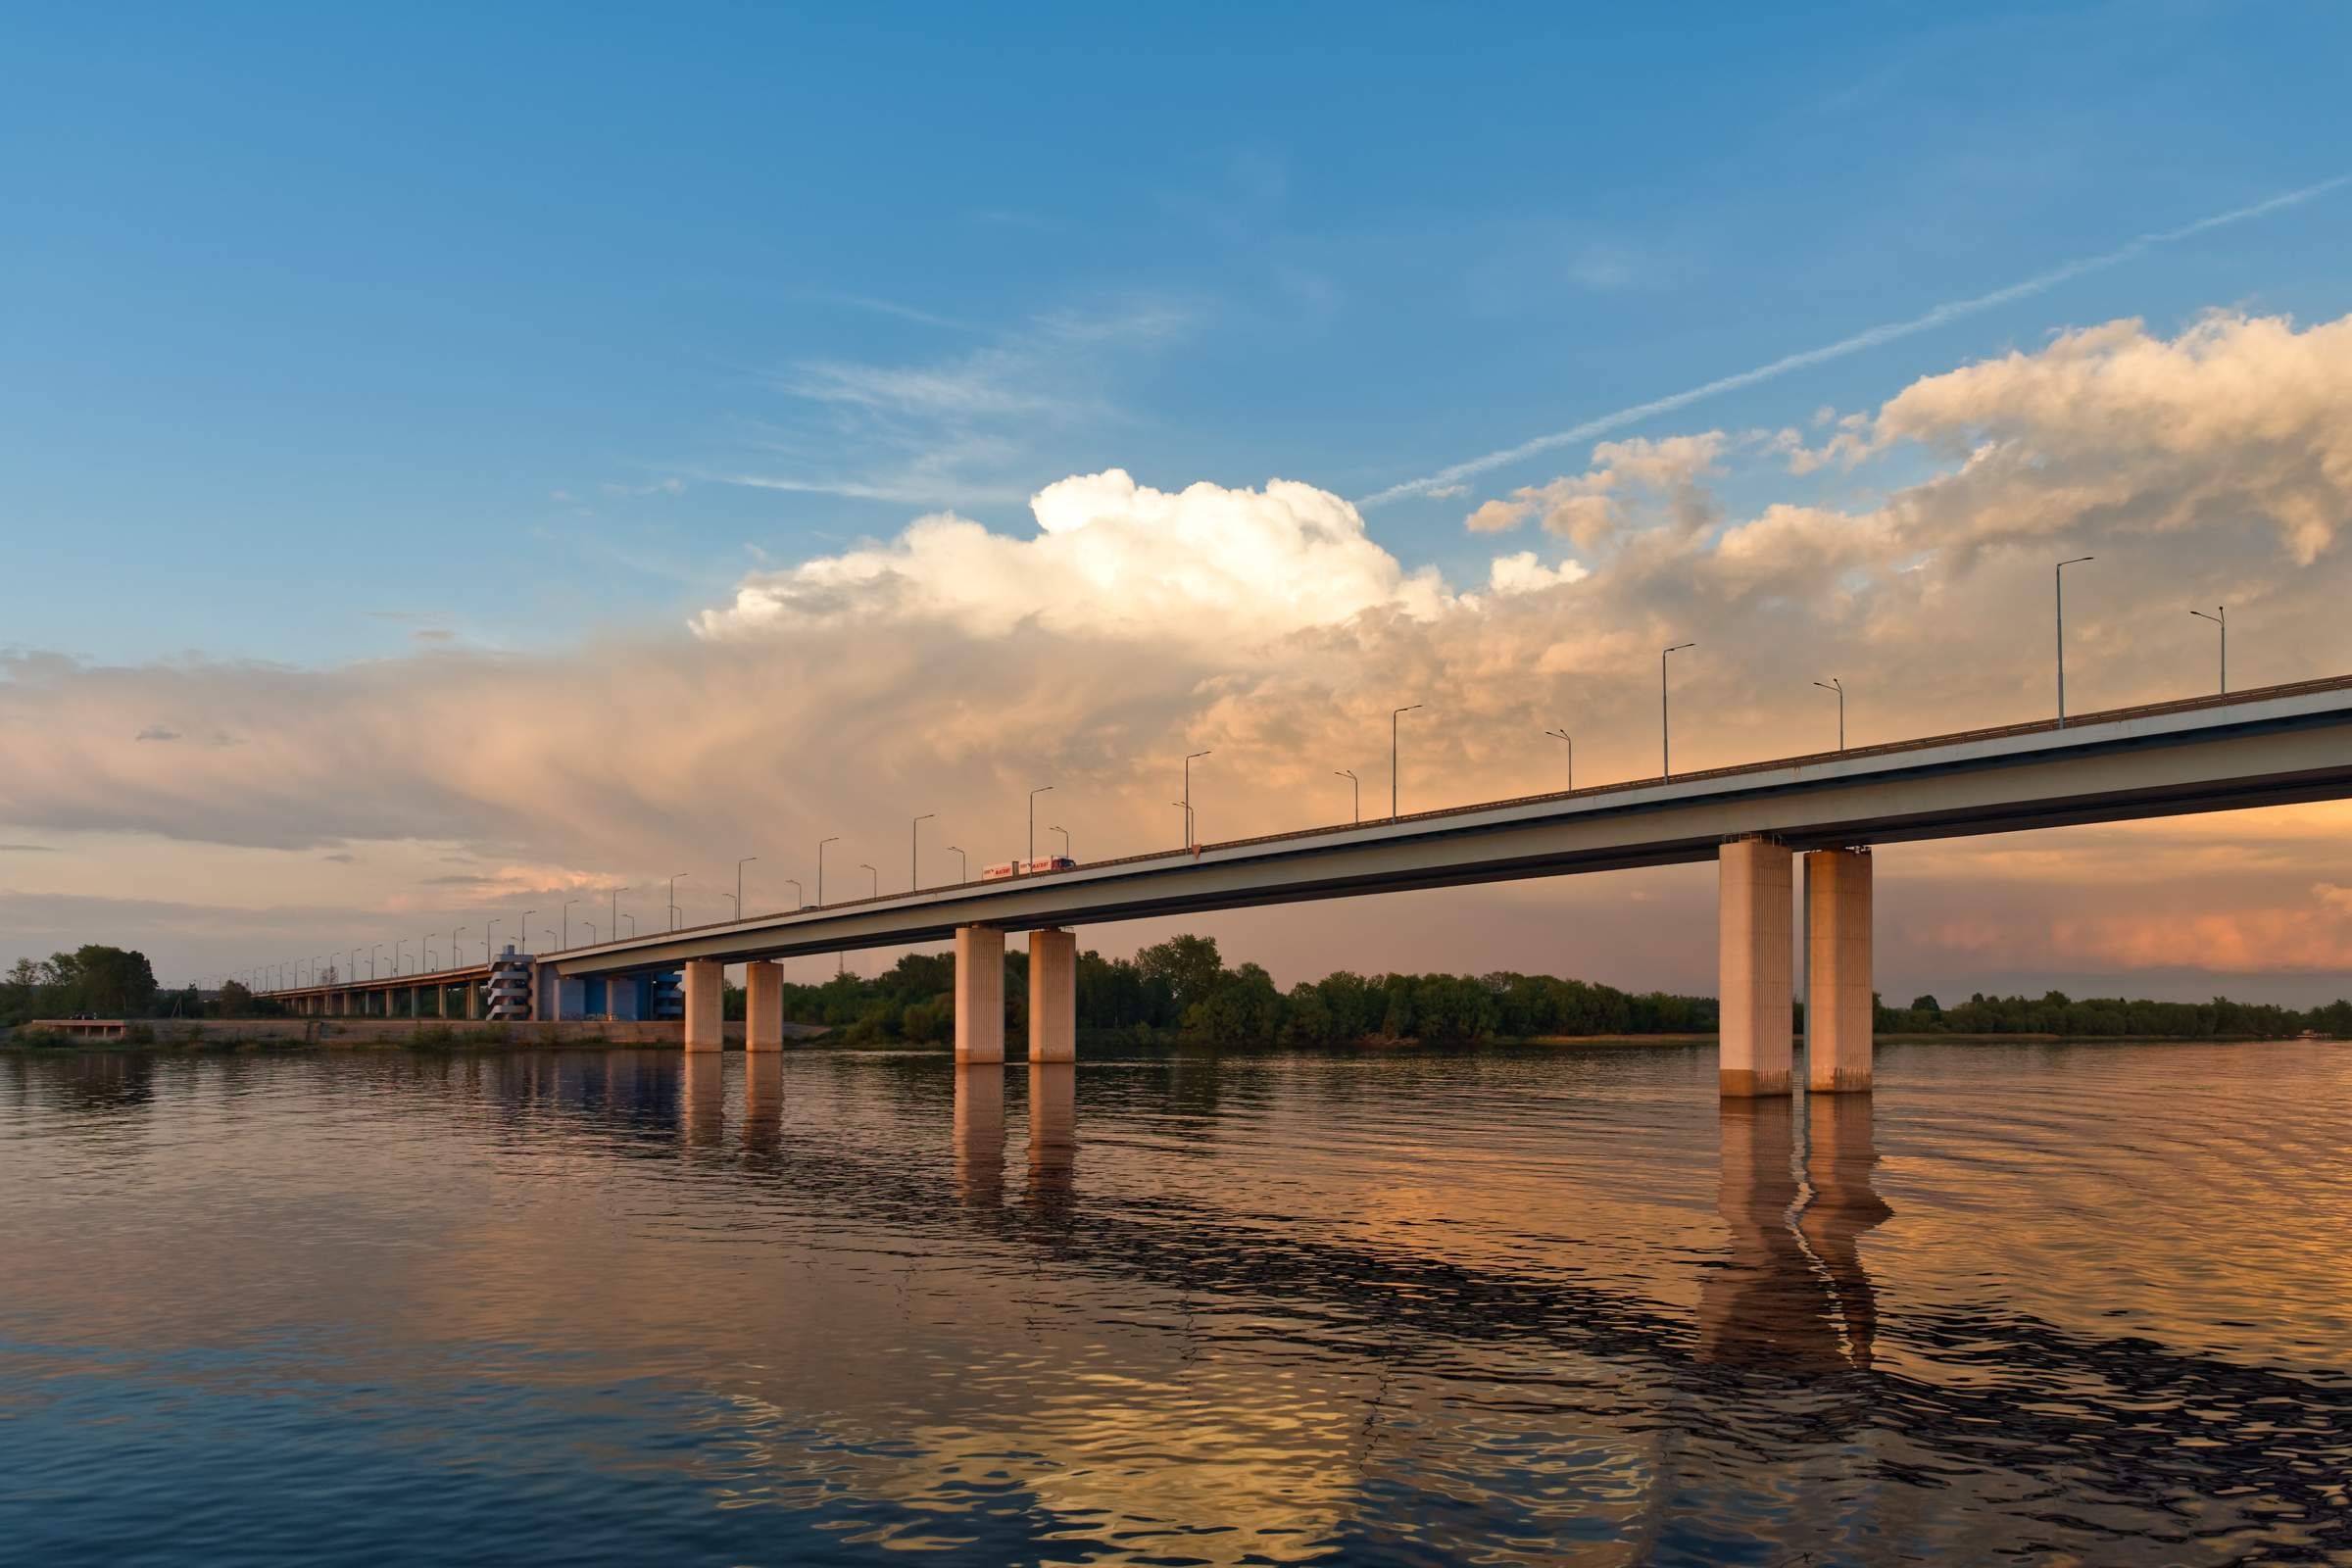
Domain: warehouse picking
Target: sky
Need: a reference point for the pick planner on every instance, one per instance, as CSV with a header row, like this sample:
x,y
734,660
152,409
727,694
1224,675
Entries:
x,y
454,464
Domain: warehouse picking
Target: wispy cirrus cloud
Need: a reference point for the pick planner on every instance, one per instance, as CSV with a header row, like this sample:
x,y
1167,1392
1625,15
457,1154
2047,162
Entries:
x,y
960,428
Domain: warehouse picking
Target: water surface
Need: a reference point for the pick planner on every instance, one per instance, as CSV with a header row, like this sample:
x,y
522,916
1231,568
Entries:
x,y
2082,1304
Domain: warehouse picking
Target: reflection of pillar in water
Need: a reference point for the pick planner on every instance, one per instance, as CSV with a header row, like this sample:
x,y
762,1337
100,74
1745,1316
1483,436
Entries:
x,y
980,1135
1841,1154
1052,1127
703,1099
762,1101
1765,1304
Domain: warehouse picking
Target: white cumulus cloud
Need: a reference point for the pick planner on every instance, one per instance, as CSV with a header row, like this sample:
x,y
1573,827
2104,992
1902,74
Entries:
x,y
1205,565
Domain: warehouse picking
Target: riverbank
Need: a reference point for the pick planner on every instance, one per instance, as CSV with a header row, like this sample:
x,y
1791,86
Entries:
x,y
401,1034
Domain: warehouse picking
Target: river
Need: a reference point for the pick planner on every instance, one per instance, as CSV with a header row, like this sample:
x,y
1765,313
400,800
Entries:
x,y
2086,1303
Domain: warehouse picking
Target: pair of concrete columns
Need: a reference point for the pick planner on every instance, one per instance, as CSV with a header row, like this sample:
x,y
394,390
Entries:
x,y
1752,930
980,995
762,1005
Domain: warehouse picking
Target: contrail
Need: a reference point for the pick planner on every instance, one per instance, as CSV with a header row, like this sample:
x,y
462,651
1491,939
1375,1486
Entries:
x,y
1869,338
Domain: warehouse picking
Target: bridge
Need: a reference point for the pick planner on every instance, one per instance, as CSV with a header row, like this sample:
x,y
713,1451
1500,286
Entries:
x,y
2270,746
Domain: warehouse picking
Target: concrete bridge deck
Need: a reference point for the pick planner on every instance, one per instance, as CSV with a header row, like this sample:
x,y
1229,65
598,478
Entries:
x,y
2270,746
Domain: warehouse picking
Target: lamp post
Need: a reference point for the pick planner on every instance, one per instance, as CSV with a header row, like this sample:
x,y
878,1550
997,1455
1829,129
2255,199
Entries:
x,y
2219,617
591,925
615,928
675,912
738,865
454,934
568,903
1041,789
1192,838
862,867
399,951
526,929
800,898
1065,841
1665,727
963,864
1357,787
1408,708
2058,575
1834,684
820,867
490,939
547,931
915,851
632,919
1561,735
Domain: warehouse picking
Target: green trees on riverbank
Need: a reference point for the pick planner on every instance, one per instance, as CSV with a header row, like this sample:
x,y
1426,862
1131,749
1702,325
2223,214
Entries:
x,y
1182,988
106,982
2057,1013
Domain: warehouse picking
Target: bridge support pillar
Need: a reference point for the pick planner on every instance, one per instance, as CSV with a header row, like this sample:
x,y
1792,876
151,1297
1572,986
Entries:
x,y
979,993
1052,995
473,1000
763,1005
620,997
1752,933
706,1016
1837,980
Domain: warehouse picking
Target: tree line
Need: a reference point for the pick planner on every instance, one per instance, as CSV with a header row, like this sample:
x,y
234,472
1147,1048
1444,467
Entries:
x,y
1182,990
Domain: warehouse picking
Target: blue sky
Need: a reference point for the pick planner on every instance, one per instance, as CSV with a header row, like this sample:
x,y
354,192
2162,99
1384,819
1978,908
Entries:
x,y
322,329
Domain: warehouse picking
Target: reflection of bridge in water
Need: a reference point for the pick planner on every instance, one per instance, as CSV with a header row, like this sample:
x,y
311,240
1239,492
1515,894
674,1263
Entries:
x,y
1791,1350
1780,1360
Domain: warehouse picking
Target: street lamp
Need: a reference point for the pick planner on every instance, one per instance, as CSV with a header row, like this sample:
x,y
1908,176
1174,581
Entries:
x,y
1065,841
615,926
800,898
1561,734
1834,684
1041,789
963,864
1192,838
2219,617
568,903
915,851
1356,785
675,912
490,938
1408,708
738,865
453,947
1665,728
862,867
632,919
820,867
591,925
549,932
399,951
2058,573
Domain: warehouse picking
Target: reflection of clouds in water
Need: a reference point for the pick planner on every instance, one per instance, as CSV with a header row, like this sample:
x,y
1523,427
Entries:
x,y
827,1320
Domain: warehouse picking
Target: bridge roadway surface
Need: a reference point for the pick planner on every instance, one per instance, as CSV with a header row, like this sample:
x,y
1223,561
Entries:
x,y
2267,747
2271,746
